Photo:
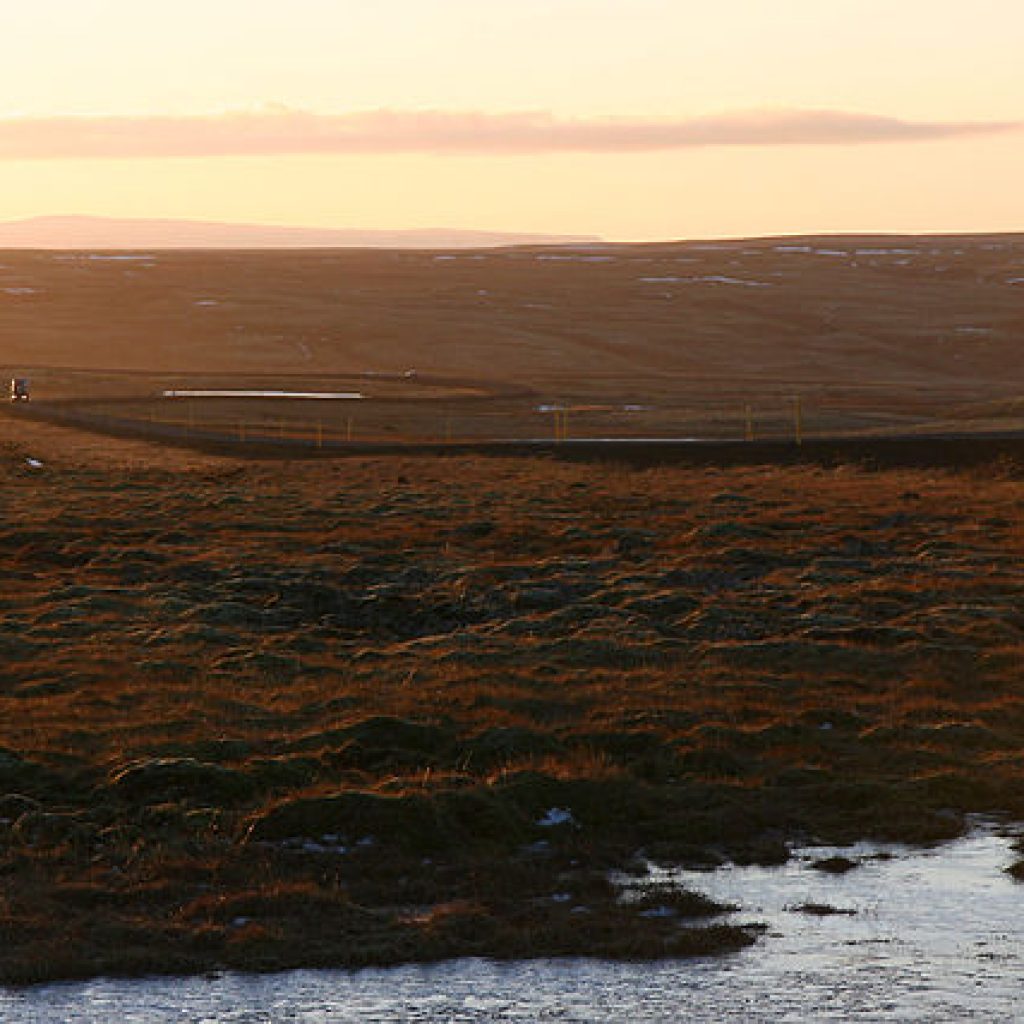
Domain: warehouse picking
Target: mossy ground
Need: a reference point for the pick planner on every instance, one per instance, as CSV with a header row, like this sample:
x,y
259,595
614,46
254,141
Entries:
x,y
361,712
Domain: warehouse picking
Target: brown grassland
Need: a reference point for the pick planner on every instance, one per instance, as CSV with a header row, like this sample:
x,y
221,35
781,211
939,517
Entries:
x,y
875,333
262,714
310,713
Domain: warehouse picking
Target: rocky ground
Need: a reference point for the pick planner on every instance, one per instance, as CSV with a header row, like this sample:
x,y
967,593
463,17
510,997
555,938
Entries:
x,y
356,711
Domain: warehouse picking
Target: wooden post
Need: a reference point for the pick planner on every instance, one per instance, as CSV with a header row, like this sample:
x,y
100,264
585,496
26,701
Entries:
x,y
748,417
319,433
447,430
241,430
798,420
348,429
565,424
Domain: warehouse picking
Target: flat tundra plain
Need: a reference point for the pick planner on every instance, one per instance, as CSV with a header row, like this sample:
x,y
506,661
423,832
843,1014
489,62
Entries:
x,y
340,712
875,333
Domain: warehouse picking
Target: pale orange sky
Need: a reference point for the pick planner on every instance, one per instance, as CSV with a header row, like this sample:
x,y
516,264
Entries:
x,y
631,119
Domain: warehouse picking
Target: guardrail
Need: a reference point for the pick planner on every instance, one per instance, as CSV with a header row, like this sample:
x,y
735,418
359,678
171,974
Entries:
x,y
941,450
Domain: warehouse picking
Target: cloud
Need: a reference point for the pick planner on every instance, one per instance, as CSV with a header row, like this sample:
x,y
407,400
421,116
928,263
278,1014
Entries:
x,y
281,131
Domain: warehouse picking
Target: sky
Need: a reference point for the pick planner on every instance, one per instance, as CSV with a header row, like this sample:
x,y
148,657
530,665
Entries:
x,y
630,119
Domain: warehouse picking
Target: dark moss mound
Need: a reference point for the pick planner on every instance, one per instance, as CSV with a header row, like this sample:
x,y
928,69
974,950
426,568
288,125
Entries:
x,y
157,780
834,865
591,802
682,902
822,910
20,775
1016,871
767,851
213,751
507,743
611,931
13,805
286,772
383,742
47,830
414,823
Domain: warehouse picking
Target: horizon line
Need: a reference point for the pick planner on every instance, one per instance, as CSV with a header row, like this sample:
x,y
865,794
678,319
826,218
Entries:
x,y
458,237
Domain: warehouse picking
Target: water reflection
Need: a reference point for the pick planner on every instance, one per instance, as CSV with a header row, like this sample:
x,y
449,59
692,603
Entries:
x,y
931,936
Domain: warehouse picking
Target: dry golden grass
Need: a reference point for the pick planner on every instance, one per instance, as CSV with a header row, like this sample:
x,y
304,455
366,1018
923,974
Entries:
x,y
309,713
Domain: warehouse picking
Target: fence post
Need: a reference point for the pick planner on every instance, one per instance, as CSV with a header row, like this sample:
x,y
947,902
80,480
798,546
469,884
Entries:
x,y
348,429
319,433
748,416
798,420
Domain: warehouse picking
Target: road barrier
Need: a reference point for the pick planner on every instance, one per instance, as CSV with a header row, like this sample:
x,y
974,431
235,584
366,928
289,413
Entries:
x,y
270,441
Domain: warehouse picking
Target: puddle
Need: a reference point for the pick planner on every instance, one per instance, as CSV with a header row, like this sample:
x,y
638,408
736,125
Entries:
x,y
935,936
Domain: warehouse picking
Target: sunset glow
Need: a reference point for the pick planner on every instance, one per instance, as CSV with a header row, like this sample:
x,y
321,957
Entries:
x,y
648,120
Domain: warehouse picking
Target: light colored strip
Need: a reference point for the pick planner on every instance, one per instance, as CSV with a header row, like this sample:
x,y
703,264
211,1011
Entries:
x,y
323,395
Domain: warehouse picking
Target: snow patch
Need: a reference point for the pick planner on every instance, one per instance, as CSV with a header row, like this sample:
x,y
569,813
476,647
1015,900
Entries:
x,y
102,257
556,816
886,252
564,257
724,279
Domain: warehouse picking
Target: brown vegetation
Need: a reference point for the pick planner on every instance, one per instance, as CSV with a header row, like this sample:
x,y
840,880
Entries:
x,y
873,332
370,711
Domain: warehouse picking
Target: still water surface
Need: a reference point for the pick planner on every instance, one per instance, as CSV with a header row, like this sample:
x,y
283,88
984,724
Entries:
x,y
935,936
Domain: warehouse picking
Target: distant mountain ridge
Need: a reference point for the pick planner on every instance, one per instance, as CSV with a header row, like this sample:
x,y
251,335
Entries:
x,y
82,232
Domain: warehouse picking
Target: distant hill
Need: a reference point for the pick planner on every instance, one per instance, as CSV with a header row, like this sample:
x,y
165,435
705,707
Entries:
x,y
78,232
